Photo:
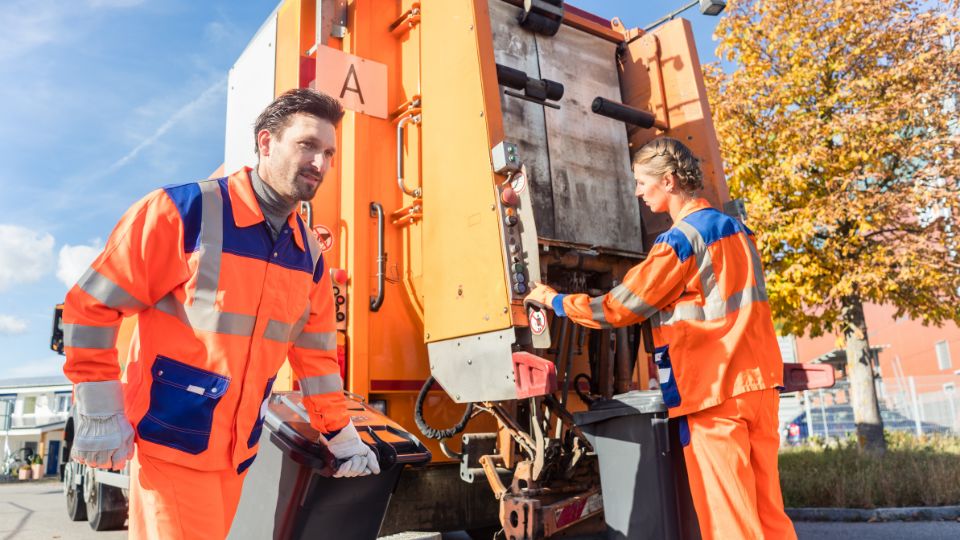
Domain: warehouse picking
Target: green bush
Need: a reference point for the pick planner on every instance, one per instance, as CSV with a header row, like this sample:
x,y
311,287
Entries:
x,y
914,472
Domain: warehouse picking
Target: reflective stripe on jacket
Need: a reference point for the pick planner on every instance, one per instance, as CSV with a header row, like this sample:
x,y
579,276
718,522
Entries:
x,y
220,305
702,288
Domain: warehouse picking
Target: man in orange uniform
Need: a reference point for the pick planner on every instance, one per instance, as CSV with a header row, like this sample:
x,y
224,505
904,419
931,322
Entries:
x,y
227,282
719,365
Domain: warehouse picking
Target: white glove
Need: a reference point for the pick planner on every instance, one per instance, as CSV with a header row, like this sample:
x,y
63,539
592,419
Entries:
x,y
104,436
357,459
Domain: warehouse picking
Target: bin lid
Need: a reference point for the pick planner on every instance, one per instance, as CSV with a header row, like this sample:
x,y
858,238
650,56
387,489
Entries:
x,y
290,428
635,402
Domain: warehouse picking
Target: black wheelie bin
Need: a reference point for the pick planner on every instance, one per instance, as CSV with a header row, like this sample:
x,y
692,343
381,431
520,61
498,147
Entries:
x,y
290,492
642,474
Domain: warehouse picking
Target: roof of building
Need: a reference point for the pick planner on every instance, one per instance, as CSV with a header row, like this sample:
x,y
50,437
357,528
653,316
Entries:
x,y
21,382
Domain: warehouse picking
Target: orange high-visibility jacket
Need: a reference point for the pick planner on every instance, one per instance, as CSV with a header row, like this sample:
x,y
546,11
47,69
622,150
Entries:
x,y
702,288
219,305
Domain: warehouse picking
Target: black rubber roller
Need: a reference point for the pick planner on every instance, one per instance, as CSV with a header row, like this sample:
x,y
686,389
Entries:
x,y
623,113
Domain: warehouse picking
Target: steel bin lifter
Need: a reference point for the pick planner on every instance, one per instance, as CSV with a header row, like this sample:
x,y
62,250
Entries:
x,y
227,282
702,288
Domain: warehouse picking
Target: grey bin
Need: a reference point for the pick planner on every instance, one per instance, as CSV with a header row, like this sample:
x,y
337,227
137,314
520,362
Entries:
x,y
642,475
289,491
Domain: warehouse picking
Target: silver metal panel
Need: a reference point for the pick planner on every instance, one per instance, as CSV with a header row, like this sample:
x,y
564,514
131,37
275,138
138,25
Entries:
x,y
250,87
475,368
593,187
581,185
523,122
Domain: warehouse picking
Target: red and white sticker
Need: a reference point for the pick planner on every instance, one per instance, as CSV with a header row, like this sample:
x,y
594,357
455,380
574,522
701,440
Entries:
x,y
519,182
538,322
324,236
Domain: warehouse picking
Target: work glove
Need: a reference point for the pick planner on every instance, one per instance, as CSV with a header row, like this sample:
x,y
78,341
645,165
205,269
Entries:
x,y
540,297
356,458
104,437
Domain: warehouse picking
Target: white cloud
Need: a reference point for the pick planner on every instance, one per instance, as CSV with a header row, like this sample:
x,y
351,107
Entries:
x,y
28,25
74,261
12,325
25,255
51,365
114,3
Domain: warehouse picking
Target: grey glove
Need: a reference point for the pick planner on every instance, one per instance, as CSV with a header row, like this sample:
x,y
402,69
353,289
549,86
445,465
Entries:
x,y
357,459
104,436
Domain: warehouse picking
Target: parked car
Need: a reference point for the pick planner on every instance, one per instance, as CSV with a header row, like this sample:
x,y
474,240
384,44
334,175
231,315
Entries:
x,y
840,423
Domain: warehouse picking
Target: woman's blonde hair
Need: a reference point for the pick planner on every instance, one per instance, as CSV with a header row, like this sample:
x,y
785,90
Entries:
x,y
665,155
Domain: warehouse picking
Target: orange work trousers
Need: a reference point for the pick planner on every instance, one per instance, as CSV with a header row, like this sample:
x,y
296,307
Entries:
x,y
732,468
172,502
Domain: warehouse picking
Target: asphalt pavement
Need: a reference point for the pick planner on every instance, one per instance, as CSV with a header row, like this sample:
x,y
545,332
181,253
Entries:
x,y
37,511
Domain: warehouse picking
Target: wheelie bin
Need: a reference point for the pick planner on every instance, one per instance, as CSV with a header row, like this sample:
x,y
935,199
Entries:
x,y
290,491
642,474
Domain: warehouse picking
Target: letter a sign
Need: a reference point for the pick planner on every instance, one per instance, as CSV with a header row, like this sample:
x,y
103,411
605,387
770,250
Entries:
x,y
359,84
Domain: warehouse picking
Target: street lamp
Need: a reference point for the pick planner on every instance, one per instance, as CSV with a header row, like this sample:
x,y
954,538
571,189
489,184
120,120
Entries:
x,y
707,7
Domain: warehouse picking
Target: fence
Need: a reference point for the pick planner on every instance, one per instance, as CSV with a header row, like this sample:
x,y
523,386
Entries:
x,y
922,405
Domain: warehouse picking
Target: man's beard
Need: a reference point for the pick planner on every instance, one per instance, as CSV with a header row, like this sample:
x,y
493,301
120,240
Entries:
x,y
303,191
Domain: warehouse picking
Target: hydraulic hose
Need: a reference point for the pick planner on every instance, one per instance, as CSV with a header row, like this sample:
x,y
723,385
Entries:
x,y
431,432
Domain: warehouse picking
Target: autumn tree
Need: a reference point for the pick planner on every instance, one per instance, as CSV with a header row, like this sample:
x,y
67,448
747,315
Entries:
x,y
838,126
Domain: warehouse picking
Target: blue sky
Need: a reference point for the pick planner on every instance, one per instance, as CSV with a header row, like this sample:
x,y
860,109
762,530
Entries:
x,y
103,101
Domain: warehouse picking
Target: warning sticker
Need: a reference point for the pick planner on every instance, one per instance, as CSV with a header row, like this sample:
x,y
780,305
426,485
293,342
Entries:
x,y
538,322
324,236
519,182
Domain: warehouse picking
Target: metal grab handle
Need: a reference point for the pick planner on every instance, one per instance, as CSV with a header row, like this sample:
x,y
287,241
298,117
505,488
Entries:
x,y
376,210
415,192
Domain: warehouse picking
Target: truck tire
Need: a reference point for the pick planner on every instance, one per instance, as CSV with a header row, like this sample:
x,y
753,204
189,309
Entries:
x,y
106,507
76,508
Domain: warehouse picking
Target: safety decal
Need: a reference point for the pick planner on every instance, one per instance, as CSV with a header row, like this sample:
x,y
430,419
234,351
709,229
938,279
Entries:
x,y
324,236
538,322
519,182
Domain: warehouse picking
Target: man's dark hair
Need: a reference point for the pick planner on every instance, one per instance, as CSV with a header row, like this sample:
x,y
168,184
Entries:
x,y
276,117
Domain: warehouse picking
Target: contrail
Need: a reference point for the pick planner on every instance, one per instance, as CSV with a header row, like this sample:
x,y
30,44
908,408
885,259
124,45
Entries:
x,y
182,113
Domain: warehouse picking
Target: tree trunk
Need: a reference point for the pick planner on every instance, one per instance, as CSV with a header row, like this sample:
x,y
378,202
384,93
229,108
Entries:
x,y
863,391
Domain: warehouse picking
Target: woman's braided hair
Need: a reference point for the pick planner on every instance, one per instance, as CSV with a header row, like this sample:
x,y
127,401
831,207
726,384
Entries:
x,y
665,155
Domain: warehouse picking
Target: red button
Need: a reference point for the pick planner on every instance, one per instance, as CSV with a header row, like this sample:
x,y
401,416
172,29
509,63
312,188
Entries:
x,y
510,197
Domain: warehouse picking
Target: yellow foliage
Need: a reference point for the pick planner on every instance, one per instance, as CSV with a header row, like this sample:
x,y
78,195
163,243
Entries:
x,y
838,125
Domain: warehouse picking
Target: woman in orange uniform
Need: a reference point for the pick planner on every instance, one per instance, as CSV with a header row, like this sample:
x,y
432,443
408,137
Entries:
x,y
702,288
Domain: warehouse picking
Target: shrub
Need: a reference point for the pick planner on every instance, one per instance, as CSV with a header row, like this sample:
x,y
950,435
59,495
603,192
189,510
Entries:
x,y
914,472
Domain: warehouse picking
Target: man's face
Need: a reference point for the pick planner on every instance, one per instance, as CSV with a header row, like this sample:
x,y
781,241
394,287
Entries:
x,y
294,161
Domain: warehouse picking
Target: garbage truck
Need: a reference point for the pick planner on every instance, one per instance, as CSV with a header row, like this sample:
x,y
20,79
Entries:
x,y
486,145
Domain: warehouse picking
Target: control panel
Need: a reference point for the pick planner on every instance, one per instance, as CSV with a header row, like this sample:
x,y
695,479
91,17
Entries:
x,y
521,258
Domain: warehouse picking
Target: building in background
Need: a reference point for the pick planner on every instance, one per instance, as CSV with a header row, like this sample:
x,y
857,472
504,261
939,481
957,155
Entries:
x,y
33,413
918,369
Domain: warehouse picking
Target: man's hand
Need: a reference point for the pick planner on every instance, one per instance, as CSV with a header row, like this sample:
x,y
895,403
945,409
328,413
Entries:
x,y
541,297
104,435
356,458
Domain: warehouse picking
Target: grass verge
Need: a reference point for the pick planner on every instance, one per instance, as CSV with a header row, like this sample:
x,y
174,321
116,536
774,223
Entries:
x,y
913,472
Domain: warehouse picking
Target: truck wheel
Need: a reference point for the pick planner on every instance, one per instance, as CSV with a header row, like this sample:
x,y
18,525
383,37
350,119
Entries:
x,y
106,506
76,508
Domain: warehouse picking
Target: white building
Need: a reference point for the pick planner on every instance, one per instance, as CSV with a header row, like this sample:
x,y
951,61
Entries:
x,y
33,413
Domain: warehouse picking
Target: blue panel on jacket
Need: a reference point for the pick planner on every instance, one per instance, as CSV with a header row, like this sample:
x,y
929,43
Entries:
x,y
189,202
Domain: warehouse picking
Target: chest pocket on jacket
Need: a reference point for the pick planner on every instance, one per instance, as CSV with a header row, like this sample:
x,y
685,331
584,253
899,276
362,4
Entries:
x,y
182,401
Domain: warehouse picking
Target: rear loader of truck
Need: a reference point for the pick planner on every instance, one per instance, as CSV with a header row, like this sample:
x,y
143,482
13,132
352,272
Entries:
x,y
486,145
478,154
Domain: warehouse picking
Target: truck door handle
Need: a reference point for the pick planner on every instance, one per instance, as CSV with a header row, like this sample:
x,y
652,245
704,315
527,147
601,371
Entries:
x,y
376,210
